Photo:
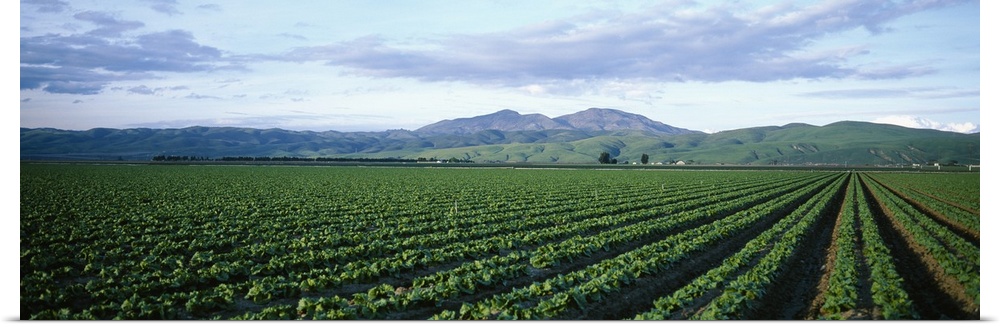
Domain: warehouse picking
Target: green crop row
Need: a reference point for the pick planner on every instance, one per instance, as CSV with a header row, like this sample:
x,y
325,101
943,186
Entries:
x,y
447,284
243,242
957,213
841,294
887,289
588,285
957,257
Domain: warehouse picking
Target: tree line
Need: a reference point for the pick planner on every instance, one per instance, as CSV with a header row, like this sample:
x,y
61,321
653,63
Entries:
x,y
605,158
300,159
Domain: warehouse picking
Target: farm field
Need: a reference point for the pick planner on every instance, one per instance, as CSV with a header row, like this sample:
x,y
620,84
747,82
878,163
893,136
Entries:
x,y
288,242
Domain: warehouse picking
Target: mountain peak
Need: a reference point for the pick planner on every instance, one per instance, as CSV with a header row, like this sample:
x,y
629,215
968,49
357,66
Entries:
x,y
604,111
592,119
605,119
503,120
505,112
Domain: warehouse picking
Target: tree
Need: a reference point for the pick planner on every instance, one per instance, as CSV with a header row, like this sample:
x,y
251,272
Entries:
x,y
645,159
605,158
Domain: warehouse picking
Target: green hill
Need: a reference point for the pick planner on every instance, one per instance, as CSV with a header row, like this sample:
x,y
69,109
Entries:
x,y
855,143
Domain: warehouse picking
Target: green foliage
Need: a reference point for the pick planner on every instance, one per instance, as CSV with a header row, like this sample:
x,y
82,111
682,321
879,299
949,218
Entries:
x,y
604,158
217,242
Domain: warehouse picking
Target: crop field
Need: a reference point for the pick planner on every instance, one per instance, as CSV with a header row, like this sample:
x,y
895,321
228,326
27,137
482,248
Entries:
x,y
287,242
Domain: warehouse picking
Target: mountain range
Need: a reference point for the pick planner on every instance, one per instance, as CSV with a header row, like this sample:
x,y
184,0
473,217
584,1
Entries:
x,y
593,119
508,136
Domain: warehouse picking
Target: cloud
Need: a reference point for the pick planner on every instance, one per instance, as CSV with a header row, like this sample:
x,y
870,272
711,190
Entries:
x,y
918,122
145,90
370,90
642,90
168,7
227,82
293,36
201,97
858,93
210,6
74,87
86,63
48,6
296,92
109,25
142,89
668,42
924,93
294,95
25,99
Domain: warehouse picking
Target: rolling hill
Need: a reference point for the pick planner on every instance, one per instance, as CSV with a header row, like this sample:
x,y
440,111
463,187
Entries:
x,y
507,136
856,143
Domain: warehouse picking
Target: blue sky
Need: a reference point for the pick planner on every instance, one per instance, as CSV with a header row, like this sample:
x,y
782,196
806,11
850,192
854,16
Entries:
x,y
378,65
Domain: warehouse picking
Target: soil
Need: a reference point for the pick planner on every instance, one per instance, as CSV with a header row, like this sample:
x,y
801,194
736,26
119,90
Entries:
x,y
796,293
639,297
970,235
935,294
956,205
864,305
794,289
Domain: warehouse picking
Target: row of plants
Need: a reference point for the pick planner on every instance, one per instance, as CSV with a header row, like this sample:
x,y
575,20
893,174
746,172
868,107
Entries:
x,y
739,290
189,242
887,290
551,298
958,189
841,293
674,216
117,238
467,278
953,213
956,257
449,283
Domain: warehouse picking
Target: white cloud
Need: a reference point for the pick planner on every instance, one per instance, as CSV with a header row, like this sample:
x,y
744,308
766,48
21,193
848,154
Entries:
x,y
716,44
919,122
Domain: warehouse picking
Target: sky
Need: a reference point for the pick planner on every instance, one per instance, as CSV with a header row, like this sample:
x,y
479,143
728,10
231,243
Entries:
x,y
393,64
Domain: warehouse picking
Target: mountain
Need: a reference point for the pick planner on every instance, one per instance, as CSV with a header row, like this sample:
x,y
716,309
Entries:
x,y
856,143
599,119
593,119
508,136
503,120
215,142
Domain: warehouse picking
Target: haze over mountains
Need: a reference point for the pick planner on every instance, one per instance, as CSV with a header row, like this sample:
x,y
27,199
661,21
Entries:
x,y
508,136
